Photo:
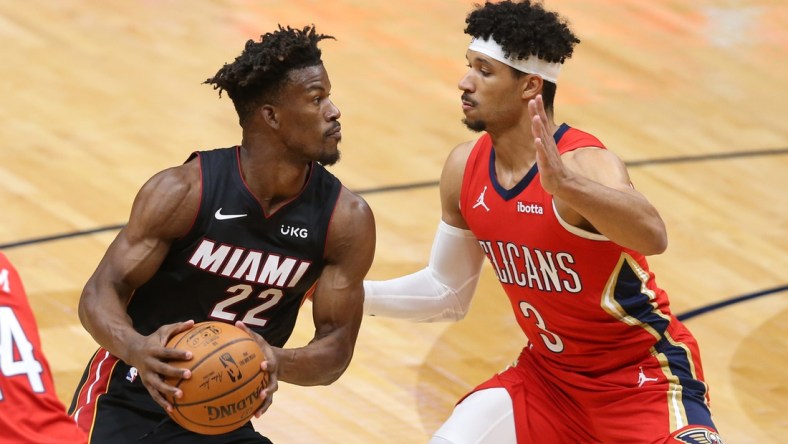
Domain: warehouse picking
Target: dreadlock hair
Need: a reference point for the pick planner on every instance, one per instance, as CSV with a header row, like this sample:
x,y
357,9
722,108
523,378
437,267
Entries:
x,y
257,75
523,29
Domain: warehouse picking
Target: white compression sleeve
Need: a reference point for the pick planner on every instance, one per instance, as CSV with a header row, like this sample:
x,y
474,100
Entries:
x,y
440,292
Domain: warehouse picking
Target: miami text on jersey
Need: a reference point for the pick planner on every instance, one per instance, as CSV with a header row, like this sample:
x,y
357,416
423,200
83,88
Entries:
x,y
249,265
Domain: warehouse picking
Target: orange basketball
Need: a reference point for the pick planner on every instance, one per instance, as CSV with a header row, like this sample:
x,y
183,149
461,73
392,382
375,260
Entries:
x,y
223,392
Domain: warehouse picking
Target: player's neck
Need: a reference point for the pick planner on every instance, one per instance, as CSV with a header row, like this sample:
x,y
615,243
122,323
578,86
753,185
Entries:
x,y
272,179
515,145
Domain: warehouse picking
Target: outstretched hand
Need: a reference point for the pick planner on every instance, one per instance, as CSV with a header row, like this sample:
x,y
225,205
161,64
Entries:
x,y
149,355
551,168
269,365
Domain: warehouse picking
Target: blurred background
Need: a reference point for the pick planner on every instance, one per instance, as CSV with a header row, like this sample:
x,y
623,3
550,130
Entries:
x,y
99,96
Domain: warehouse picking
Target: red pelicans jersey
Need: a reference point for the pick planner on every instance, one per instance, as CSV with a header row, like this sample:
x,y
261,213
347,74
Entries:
x,y
586,304
29,408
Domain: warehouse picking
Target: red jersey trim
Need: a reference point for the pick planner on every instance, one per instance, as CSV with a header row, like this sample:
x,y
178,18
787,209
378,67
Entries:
x,y
96,384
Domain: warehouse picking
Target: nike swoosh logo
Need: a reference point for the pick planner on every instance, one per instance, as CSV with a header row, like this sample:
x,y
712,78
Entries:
x,y
220,216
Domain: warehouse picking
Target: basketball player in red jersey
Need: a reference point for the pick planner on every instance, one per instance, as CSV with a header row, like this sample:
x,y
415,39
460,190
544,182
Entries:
x,y
30,411
555,214
242,235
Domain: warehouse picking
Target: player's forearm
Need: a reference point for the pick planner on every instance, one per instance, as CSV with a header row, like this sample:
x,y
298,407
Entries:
x,y
417,297
440,292
321,362
627,219
105,318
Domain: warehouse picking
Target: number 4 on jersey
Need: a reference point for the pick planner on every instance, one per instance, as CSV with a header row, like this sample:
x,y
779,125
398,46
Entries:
x,y
12,336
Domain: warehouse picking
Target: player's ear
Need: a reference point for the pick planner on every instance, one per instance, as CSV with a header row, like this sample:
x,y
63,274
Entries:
x,y
270,115
531,86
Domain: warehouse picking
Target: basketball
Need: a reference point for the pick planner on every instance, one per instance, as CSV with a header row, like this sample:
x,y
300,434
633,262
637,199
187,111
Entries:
x,y
223,392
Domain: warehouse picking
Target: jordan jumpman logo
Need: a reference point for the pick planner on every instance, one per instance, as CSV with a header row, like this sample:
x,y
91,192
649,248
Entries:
x,y
642,378
480,200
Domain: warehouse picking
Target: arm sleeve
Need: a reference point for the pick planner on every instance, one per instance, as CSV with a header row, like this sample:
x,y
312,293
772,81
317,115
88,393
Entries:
x,y
440,292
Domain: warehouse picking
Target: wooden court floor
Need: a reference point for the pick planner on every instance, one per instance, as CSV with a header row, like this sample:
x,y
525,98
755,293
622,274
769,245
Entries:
x,y
98,96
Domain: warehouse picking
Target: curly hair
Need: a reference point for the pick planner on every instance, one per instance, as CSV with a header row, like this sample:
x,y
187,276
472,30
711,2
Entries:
x,y
524,29
257,75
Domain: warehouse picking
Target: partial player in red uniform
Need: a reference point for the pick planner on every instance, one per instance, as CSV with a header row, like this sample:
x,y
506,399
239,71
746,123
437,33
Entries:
x,y
30,411
567,234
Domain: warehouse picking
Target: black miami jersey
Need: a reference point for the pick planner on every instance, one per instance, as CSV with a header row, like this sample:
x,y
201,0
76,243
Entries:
x,y
236,263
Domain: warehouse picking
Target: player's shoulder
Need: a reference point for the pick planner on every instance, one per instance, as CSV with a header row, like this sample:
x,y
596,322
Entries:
x,y
582,147
175,180
352,204
168,202
463,149
458,156
351,233
571,137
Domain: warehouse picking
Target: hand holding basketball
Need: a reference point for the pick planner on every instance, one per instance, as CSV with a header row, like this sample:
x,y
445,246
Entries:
x,y
151,359
227,382
270,365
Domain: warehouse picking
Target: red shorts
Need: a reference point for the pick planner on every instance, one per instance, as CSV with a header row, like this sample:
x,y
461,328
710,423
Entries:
x,y
657,400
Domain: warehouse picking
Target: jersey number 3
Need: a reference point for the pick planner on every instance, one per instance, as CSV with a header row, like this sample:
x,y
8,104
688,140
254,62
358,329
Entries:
x,y
550,339
12,336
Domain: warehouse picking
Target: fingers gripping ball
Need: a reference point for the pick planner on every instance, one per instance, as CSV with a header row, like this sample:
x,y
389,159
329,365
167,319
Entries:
x,y
223,392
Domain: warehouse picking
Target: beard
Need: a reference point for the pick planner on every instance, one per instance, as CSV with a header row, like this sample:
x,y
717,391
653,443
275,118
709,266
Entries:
x,y
328,159
475,125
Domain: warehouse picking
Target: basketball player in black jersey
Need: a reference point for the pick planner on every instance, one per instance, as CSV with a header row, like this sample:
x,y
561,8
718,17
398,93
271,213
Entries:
x,y
241,235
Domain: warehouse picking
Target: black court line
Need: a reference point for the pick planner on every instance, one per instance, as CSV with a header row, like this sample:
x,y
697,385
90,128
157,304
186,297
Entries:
x,y
409,186
54,237
707,157
735,300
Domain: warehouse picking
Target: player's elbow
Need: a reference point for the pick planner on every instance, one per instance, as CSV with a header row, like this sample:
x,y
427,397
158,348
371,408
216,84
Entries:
x,y
332,377
461,299
458,313
84,308
659,239
653,244
649,236
332,374
661,244
449,307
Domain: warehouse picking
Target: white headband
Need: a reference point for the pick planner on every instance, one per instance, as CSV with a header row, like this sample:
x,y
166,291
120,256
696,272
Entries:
x,y
531,65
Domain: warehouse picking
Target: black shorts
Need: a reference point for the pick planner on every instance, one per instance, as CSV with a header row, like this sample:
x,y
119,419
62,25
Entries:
x,y
113,406
126,426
